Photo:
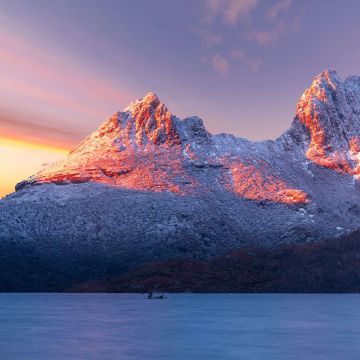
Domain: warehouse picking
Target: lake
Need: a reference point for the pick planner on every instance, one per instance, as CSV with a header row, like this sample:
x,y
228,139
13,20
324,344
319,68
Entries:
x,y
183,326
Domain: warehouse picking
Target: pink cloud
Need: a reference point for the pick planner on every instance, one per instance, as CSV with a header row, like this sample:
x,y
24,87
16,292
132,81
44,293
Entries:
x,y
220,64
229,10
34,77
238,55
279,7
211,39
25,90
36,72
266,37
208,37
35,127
243,58
255,64
237,9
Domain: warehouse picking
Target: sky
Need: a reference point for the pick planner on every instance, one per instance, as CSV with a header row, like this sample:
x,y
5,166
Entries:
x,y
240,65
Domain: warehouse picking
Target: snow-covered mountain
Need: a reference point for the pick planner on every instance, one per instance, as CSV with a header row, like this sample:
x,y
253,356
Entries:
x,y
147,185
145,147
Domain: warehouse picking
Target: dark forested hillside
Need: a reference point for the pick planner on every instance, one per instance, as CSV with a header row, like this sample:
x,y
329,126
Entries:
x,y
326,266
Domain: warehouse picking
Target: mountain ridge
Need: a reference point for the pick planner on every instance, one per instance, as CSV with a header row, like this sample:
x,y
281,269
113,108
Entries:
x,y
147,186
148,132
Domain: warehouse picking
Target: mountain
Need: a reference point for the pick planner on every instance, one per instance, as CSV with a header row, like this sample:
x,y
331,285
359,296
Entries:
x,y
147,186
146,148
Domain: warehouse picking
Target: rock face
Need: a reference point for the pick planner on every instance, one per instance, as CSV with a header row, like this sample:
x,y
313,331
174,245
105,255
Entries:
x,y
330,110
146,148
147,186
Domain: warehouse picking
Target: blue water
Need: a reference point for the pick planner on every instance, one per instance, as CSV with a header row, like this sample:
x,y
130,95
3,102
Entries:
x,y
183,326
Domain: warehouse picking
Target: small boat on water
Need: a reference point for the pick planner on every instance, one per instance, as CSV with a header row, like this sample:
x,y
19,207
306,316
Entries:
x,y
151,296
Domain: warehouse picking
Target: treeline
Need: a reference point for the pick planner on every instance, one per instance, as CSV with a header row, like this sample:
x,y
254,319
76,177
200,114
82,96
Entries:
x,y
327,266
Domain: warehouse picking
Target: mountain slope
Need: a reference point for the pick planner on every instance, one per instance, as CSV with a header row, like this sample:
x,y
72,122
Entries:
x,y
148,186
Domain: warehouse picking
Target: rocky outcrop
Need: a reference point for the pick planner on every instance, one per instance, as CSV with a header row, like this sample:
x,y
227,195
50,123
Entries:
x,y
330,110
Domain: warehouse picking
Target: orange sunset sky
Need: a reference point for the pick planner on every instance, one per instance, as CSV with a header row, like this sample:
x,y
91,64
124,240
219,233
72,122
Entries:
x,y
20,159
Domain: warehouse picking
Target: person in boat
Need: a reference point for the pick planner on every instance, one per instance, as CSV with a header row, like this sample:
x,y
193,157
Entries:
x,y
150,295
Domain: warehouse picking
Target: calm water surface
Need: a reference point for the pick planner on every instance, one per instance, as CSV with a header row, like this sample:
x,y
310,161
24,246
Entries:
x,y
183,326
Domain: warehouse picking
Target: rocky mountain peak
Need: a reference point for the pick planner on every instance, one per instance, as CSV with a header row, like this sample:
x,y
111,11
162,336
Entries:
x,y
145,147
148,121
331,106
324,84
330,111
150,101
144,122
325,89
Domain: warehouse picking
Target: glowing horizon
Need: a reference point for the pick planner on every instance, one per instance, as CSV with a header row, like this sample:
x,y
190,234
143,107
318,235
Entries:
x,y
20,159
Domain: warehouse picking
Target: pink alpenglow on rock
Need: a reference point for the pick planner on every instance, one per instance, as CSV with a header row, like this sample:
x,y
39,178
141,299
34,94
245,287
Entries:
x,y
146,148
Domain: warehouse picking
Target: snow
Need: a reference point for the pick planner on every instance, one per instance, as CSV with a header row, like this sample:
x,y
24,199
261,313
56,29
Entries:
x,y
146,163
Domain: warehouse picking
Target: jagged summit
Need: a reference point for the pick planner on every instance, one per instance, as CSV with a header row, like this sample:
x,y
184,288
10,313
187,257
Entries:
x,y
330,110
150,100
145,121
146,147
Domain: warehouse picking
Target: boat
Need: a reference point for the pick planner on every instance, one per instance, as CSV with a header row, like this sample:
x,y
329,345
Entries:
x,y
151,296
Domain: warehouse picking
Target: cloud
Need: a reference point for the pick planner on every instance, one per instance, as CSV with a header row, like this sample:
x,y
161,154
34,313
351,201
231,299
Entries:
x,y
208,37
279,7
220,64
266,37
211,39
255,64
223,64
238,55
243,58
36,73
60,69
35,127
266,29
230,11
72,96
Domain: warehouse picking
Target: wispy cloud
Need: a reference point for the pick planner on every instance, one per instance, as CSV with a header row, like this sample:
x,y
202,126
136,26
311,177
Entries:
x,y
269,36
230,11
238,55
35,76
249,25
209,37
278,8
266,37
220,64
31,126
236,59
21,57
243,58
